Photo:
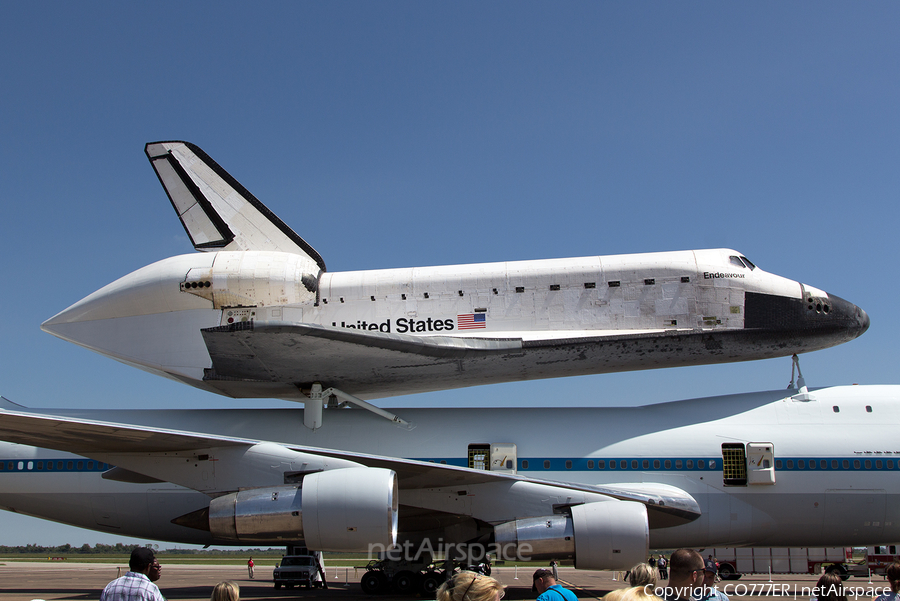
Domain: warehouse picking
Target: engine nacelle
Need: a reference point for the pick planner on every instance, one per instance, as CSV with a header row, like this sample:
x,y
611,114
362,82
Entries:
x,y
610,535
336,510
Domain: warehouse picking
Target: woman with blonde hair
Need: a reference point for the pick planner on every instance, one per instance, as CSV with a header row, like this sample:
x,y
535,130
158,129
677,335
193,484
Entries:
x,y
470,586
615,594
641,575
226,591
634,593
642,579
639,593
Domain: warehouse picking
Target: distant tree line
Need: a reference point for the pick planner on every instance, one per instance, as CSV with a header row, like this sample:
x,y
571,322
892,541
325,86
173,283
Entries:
x,y
120,549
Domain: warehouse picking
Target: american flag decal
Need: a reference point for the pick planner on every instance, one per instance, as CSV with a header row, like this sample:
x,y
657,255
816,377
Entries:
x,y
471,321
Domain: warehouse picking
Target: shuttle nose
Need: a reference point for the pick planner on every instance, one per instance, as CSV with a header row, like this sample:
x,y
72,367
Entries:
x,y
820,318
841,314
863,321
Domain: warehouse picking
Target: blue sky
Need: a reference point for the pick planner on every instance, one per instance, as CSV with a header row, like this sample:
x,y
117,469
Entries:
x,y
426,133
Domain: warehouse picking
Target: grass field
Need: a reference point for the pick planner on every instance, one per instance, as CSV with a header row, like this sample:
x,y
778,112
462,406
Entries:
x,y
260,559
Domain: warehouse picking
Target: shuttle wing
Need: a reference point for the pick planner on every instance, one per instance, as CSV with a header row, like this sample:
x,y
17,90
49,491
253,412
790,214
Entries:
x,y
98,439
217,212
373,364
308,352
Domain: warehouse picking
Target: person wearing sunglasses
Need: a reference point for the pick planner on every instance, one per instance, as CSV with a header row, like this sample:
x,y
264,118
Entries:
x,y
686,573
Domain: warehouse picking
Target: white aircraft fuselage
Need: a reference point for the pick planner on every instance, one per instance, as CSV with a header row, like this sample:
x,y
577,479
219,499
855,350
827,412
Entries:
x,y
765,469
256,314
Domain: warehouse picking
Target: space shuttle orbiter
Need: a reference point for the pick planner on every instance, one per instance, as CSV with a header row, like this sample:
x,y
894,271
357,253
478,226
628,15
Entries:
x,y
256,314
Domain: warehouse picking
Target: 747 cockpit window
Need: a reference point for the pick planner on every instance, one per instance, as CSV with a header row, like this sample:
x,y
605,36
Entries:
x,y
742,262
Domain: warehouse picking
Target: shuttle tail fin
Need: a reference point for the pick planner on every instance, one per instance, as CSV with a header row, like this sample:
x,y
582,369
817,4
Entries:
x,y
217,212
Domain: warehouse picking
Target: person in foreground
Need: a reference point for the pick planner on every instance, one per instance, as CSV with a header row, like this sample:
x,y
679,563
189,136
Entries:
x,y
686,573
470,586
641,575
830,587
226,591
136,584
545,584
709,592
893,575
642,581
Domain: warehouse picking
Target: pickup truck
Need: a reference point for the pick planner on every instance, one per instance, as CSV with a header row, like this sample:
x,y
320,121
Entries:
x,y
297,570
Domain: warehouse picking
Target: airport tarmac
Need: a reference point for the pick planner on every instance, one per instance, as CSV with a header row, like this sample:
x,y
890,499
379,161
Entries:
x,y
25,581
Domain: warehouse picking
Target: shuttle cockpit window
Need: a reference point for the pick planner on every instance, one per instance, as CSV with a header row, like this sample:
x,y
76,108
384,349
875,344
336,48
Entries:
x,y
742,262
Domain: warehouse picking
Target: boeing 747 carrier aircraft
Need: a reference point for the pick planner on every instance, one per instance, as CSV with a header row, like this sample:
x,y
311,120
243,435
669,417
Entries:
x,y
256,314
601,486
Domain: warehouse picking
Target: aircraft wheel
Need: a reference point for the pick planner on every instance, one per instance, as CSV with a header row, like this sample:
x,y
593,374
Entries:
x,y
405,582
430,583
373,582
726,572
